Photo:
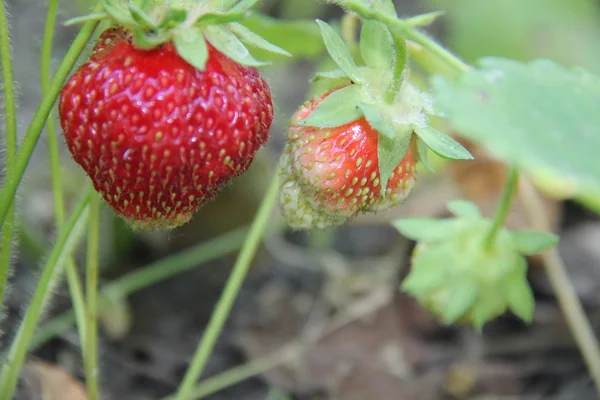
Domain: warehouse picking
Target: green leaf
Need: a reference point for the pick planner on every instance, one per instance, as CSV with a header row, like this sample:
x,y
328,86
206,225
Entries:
x,y
423,20
539,116
424,154
463,208
191,46
463,295
443,145
302,38
338,51
520,298
532,242
336,109
391,151
376,45
425,229
228,44
252,39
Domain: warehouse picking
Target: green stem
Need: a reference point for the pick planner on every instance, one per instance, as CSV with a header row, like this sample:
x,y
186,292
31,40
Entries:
x,y
149,275
566,295
230,292
67,240
399,65
407,31
53,150
14,175
238,374
91,339
510,189
10,128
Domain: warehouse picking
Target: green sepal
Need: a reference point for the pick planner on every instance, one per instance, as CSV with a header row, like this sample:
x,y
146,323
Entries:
x,y
227,43
99,16
338,51
333,74
418,283
337,109
147,40
118,13
191,46
461,298
488,306
533,242
423,151
377,120
428,271
141,17
252,39
302,38
425,229
376,45
173,18
391,152
235,13
520,298
442,144
464,209
422,20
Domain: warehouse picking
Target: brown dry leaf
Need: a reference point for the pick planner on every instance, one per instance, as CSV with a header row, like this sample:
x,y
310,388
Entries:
x,y
44,381
480,180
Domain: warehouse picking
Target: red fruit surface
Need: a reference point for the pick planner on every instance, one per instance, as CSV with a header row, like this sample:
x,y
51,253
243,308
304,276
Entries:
x,y
335,172
157,136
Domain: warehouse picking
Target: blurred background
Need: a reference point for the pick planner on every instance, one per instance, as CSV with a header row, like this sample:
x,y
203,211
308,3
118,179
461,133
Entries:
x,y
334,291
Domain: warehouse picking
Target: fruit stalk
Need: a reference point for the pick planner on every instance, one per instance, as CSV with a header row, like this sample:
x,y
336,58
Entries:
x,y
10,129
14,175
231,290
510,189
405,30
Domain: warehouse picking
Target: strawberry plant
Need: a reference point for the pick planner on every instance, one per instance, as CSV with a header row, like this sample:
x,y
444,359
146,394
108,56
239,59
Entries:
x,y
171,105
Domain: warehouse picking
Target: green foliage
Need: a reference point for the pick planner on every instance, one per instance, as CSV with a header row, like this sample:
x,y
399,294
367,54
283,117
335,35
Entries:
x,y
539,116
566,31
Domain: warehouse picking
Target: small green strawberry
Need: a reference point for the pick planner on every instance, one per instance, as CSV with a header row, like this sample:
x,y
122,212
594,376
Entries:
x,y
460,279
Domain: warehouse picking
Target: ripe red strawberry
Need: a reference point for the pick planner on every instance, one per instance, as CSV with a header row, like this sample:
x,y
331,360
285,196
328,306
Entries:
x,y
157,136
332,174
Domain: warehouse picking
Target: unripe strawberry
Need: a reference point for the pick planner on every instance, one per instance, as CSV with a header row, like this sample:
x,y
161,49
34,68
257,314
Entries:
x,y
332,174
461,274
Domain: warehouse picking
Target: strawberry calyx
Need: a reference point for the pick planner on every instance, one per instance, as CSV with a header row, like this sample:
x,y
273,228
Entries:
x,y
378,89
460,280
189,25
